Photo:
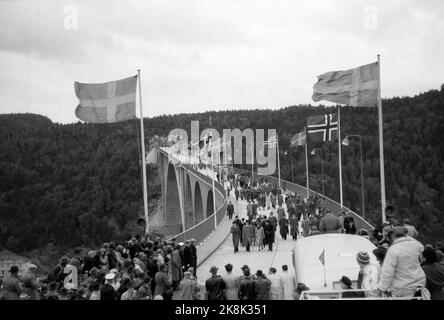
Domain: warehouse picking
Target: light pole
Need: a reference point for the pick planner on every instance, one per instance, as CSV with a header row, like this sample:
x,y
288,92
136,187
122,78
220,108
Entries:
x,y
346,142
313,152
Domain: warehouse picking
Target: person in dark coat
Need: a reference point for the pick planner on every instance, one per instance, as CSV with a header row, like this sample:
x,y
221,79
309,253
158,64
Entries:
x,y
273,221
11,285
188,258
107,291
246,286
215,286
236,234
261,286
194,250
283,227
349,225
330,224
294,226
269,235
230,210
434,272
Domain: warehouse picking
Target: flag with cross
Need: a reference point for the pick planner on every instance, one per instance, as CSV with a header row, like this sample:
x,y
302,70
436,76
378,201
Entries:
x,y
323,127
356,87
106,102
299,139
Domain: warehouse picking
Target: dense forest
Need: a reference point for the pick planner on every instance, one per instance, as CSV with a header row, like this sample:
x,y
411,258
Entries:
x,y
80,184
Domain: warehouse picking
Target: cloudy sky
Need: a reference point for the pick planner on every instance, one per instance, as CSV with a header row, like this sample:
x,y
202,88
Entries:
x,y
198,55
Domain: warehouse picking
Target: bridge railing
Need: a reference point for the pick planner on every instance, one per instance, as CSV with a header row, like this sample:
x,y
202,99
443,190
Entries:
x,y
206,227
334,206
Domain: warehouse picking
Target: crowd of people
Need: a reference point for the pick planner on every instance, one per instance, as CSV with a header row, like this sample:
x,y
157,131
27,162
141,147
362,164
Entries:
x,y
249,286
406,267
140,269
135,270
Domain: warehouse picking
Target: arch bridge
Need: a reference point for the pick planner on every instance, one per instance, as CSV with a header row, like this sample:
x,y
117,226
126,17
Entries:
x,y
189,209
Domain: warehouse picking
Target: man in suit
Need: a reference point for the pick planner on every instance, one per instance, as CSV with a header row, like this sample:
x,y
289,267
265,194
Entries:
x,y
194,251
188,256
230,210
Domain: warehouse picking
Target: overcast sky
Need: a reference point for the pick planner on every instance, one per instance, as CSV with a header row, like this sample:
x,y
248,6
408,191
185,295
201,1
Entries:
x,y
198,55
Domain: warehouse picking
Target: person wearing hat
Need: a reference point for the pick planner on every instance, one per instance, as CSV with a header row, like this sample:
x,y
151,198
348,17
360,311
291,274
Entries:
x,y
380,253
298,291
107,291
261,286
188,288
401,272
246,285
369,274
11,285
214,286
245,266
346,285
411,230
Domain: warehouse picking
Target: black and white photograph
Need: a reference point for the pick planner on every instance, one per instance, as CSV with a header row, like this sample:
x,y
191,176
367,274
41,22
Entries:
x,y
221,154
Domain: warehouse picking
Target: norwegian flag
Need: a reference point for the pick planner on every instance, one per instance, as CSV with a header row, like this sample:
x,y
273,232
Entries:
x,y
323,127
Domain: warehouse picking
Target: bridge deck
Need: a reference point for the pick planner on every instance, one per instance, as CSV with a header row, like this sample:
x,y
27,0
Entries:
x,y
256,260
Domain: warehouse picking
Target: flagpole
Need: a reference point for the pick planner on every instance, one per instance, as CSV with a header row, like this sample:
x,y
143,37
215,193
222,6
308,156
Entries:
x,y
291,162
252,161
325,274
381,143
306,167
279,162
214,189
340,156
142,135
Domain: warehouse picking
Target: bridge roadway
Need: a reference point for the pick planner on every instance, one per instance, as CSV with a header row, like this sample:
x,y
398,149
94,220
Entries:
x,y
256,260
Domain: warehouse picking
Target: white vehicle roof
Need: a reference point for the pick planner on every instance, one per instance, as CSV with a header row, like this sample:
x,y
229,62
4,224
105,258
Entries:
x,y
340,258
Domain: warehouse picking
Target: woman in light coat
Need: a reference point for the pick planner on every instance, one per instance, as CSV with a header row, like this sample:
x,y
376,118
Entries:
x,y
260,235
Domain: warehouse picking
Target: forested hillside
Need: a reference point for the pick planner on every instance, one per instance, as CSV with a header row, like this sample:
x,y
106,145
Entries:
x,y
79,184
69,185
